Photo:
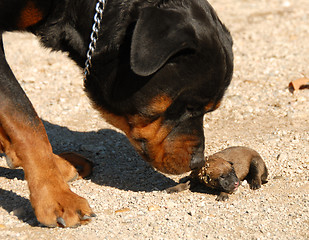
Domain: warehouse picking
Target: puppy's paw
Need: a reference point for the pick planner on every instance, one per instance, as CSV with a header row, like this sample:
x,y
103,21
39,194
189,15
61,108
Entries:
x,y
255,184
222,196
178,188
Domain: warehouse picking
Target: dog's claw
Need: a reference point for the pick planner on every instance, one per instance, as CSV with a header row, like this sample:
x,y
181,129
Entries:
x,y
74,178
9,162
85,217
61,221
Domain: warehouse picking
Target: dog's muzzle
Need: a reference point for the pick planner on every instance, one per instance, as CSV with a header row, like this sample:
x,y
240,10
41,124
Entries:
x,y
198,160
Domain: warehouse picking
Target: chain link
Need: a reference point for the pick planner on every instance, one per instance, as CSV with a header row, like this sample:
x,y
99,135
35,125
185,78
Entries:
x,y
100,6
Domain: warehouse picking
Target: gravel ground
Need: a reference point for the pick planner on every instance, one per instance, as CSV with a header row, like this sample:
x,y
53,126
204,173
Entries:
x,y
271,49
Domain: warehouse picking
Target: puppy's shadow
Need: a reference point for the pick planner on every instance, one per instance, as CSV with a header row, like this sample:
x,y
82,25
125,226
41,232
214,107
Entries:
x,y
116,162
200,188
194,186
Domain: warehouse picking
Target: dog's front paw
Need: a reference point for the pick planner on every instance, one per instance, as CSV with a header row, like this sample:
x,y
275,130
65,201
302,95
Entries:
x,y
56,205
67,170
70,161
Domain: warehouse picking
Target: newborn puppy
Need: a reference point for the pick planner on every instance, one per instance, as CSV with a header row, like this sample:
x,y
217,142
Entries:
x,y
225,169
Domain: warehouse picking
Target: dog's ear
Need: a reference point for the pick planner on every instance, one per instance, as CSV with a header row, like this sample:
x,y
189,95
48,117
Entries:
x,y
158,35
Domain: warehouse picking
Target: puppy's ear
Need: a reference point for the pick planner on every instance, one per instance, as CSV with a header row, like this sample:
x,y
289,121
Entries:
x,y
158,35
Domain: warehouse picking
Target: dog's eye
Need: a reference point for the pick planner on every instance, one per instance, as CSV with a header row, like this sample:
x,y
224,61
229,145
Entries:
x,y
191,107
195,106
194,111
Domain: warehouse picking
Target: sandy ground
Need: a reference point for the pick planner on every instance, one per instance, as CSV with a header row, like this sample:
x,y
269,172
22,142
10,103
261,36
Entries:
x,y
271,49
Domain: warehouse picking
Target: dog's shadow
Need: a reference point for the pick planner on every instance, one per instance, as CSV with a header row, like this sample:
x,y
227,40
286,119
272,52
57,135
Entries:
x,y
17,206
116,162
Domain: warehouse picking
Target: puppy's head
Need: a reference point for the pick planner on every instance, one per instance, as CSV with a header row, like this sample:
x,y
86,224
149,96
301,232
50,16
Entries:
x,y
174,65
219,174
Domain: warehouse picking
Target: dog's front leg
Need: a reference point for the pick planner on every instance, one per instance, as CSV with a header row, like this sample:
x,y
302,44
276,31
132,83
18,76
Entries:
x,y
24,140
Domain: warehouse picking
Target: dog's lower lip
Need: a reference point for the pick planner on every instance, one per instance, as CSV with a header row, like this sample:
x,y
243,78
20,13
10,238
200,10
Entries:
x,y
198,160
144,147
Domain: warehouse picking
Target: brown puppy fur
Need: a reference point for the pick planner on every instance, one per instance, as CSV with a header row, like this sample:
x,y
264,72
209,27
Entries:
x,y
224,170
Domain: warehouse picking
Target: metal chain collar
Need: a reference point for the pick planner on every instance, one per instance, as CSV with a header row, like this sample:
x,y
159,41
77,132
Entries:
x,y
100,6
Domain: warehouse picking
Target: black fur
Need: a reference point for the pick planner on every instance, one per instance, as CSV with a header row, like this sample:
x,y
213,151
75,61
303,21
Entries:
x,y
175,48
159,66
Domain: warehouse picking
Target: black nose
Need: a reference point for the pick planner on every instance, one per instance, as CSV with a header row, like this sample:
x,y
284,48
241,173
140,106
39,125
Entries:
x,y
198,160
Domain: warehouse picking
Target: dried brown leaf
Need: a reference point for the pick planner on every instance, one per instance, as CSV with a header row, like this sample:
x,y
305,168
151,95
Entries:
x,y
298,84
122,210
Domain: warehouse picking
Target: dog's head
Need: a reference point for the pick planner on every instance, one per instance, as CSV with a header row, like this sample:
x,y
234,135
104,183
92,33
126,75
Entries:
x,y
173,66
219,174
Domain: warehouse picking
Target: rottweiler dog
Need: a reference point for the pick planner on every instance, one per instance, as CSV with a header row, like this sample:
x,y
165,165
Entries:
x,y
158,67
224,170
